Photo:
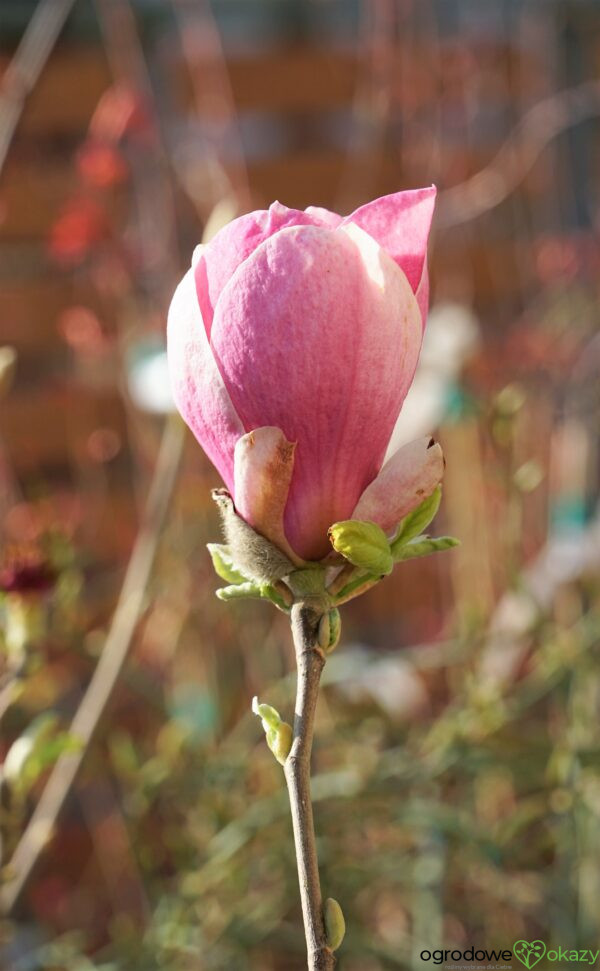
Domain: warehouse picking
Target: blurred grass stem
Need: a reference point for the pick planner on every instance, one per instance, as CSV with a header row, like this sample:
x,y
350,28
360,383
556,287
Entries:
x,y
132,599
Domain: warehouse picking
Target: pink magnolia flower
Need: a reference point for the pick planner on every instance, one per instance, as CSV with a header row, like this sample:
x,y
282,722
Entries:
x,y
293,340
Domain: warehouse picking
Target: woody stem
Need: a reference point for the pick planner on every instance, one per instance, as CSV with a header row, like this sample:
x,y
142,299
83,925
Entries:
x,y
310,661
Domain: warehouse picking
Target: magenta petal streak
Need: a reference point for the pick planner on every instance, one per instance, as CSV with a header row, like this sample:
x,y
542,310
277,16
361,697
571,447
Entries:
x,y
400,223
237,241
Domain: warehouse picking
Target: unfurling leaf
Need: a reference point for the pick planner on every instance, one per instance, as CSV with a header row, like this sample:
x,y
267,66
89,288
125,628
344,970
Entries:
x,y
270,716
417,520
224,565
363,544
423,545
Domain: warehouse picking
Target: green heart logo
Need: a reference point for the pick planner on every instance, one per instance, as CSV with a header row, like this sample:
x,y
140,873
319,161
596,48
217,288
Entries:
x,y
529,952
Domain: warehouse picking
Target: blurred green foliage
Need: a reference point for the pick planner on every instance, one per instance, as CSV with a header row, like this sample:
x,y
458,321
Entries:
x,y
472,820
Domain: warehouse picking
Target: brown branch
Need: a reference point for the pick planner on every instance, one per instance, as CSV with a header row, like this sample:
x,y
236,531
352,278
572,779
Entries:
x,y
310,661
116,648
493,184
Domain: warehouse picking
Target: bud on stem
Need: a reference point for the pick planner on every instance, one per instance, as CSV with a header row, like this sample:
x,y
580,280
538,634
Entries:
x,y
278,733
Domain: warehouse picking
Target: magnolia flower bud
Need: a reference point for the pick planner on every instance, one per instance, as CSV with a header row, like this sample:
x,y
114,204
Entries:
x,y
272,293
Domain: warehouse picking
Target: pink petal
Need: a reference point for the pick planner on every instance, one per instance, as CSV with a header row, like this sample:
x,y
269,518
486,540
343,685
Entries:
x,y
406,479
197,386
422,294
318,333
400,223
237,240
263,466
323,217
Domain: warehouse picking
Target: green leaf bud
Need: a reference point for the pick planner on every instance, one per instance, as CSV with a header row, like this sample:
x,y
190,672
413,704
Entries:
x,y
363,544
330,627
280,741
279,734
324,631
335,925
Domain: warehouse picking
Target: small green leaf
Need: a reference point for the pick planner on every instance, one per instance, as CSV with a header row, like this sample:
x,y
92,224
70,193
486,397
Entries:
x,y
423,545
364,544
417,520
224,565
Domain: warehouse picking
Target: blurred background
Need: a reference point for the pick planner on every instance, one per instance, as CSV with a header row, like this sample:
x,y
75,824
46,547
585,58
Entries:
x,y
145,825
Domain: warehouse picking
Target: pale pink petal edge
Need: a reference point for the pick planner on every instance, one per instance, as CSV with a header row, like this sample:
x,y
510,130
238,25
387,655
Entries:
x,y
407,478
196,383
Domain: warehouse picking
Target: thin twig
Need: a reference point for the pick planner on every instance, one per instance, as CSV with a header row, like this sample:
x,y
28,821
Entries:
x,y
27,64
310,661
118,642
516,157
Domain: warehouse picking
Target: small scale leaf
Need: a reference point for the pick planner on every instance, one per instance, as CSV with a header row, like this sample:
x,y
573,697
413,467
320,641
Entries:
x,y
363,544
423,545
269,592
416,521
355,584
335,925
335,630
224,565
329,630
324,631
